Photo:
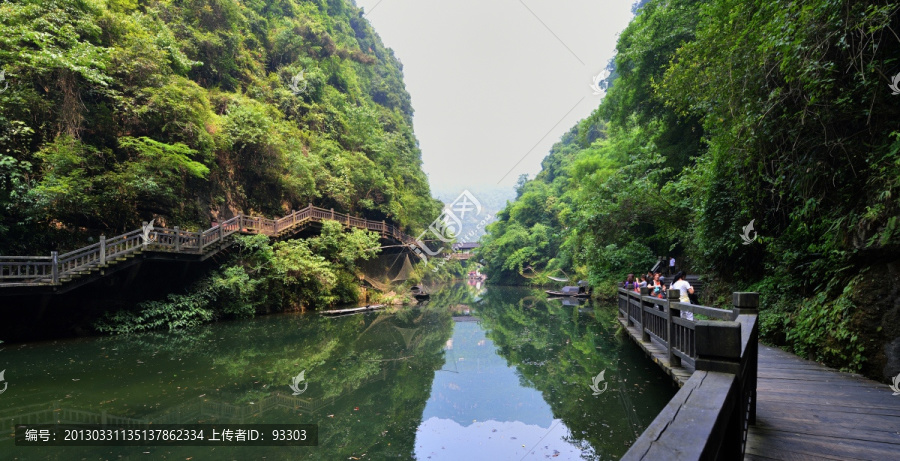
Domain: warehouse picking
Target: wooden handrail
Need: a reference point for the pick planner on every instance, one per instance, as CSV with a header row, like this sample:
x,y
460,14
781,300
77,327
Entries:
x,y
58,268
710,415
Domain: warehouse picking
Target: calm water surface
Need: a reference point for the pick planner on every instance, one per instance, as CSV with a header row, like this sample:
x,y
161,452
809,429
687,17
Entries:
x,y
495,374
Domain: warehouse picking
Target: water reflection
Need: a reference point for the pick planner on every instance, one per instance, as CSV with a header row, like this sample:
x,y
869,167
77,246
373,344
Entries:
x,y
477,405
369,377
473,374
517,384
558,348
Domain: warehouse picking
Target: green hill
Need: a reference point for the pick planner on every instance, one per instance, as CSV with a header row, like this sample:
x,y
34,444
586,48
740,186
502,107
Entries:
x,y
726,113
115,112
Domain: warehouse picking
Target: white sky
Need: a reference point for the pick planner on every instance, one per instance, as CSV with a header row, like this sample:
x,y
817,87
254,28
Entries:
x,y
493,81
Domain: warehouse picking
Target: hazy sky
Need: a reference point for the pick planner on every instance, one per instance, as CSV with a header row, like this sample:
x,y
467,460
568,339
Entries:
x,y
495,83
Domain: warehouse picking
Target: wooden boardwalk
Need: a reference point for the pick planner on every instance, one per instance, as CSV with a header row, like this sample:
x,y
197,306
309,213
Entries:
x,y
657,352
803,410
95,261
808,411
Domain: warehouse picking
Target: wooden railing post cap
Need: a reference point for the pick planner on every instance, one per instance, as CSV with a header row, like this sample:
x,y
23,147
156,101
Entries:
x,y
745,300
716,338
645,291
673,294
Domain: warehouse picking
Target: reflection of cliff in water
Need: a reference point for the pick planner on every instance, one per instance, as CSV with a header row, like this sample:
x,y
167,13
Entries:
x,y
369,377
558,349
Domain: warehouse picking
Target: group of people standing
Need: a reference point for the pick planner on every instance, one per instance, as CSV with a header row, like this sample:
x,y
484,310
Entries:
x,y
651,280
657,288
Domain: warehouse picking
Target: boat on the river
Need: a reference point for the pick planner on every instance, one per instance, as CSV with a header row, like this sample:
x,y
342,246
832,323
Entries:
x,y
419,293
355,310
582,290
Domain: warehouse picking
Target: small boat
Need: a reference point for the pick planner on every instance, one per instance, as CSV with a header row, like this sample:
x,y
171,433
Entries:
x,y
568,292
355,310
580,291
419,293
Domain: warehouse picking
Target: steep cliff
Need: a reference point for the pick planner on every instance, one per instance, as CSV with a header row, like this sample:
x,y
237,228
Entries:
x,y
188,111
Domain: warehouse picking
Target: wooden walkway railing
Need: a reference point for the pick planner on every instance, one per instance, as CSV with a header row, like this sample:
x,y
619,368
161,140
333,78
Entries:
x,y
56,269
715,362
660,319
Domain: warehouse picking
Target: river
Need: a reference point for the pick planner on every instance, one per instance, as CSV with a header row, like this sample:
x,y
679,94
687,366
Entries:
x,y
497,374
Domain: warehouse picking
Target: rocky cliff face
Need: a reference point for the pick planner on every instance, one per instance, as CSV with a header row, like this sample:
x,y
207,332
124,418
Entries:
x,y
113,113
877,319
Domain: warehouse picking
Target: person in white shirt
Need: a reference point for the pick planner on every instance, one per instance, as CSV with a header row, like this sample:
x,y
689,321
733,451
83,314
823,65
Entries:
x,y
685,288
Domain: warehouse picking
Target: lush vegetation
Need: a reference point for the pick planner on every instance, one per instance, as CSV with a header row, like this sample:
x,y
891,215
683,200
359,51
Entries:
x,y
724,112
191,111
261,277
188,111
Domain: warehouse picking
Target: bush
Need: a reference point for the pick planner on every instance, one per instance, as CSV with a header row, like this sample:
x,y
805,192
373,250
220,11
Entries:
x,y
262,275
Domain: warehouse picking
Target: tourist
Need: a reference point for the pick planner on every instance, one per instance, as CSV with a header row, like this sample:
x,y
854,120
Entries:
x,y
658,289
637,284
629,282
643,282
686,290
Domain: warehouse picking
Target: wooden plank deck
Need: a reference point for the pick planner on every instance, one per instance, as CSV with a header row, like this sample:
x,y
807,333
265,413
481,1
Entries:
x,y
808,411
657,353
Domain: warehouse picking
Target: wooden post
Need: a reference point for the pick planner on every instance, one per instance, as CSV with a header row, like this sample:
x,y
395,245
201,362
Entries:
x,y
718,346
672,297
628,319
747,303
221,232
332,214
54,267
144,241
719,350
645,335
102,250
177,240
